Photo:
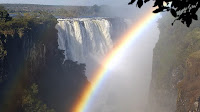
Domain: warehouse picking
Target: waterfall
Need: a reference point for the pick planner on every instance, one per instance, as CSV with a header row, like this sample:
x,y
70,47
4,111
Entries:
x,y
87,40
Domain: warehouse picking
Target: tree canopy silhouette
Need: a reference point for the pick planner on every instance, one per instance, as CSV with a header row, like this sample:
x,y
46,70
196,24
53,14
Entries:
x,y
183,10
4,15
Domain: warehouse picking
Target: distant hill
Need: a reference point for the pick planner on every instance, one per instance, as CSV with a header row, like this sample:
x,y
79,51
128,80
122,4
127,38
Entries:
x,y
60,11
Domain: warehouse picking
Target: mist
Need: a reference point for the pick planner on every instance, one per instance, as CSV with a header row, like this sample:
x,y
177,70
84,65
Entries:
x,y
53,53
126,86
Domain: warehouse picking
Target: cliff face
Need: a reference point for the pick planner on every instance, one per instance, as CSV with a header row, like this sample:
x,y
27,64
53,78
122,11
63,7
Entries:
x,y
170,88
188,88
34,57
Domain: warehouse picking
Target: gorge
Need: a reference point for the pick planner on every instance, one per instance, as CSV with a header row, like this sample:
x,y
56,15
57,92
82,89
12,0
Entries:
x,y
46,62
88,40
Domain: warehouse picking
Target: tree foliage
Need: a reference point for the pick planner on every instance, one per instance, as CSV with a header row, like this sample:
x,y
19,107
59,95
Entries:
x,y
28,43
183,10
4,15
20,23
30,102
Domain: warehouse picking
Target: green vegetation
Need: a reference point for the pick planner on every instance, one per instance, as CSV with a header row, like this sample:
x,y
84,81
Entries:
x,y
33,74
3,51
30,102
60,11
188,87
4,16
12,29
176,43
195,55
21,24
18,26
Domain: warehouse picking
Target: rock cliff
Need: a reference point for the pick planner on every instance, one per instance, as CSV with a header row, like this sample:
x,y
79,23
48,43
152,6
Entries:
x,y
175,68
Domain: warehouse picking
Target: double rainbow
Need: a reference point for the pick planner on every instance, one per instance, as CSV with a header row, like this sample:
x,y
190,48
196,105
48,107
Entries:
x,y
130,36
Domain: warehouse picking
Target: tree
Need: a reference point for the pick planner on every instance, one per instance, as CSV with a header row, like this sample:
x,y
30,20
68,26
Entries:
x,y
183,10
4,15
30,102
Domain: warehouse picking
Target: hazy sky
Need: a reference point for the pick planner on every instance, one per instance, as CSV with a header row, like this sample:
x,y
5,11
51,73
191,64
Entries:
x,y
69,2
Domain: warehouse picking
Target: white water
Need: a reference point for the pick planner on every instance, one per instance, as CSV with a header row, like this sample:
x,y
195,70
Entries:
x,y
125,89
87,40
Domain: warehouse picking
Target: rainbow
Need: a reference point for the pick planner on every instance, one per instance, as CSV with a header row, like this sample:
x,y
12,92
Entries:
x,y
110,60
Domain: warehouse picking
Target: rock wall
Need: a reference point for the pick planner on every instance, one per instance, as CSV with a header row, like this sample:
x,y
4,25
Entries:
x,y
174,47
35,58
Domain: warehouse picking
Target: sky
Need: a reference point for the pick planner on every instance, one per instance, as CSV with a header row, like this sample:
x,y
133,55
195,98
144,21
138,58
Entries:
x,y
69,2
